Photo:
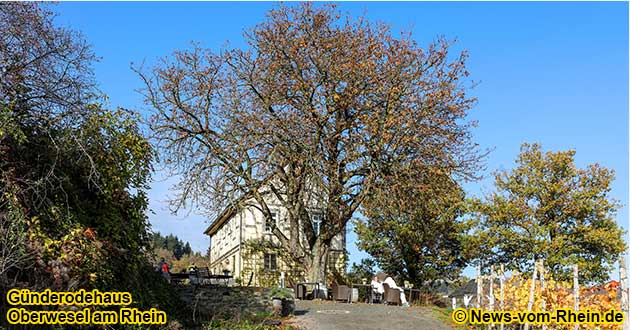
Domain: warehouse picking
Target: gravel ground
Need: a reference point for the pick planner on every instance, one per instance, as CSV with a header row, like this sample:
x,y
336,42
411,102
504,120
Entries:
x,y
326,315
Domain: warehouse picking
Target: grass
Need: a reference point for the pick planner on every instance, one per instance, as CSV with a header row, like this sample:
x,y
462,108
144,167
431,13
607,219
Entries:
x,y
254,323
444,315
245,325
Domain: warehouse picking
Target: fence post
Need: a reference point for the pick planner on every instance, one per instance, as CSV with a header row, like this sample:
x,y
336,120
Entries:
x,y
542,288
623,279
491,289
532,291
491,292
501,294
576,293
479,285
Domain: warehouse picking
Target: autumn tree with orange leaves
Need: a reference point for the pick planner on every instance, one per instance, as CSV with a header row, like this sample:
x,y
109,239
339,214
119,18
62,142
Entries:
x,y
318,105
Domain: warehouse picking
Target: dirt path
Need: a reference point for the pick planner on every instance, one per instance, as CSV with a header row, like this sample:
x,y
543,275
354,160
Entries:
x,y
325,315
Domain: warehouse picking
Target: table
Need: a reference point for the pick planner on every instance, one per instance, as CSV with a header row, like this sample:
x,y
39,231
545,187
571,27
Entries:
x,y
368,289
411,291
177,278
226,278
298,293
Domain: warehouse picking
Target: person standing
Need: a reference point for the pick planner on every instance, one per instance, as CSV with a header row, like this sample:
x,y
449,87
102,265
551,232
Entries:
x,y
163,269
192,274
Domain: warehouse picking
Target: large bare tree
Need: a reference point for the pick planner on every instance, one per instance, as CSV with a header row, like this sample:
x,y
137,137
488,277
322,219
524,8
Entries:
x,y
317,106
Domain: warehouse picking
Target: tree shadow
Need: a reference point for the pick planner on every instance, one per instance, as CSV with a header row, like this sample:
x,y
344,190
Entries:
x,y
300,312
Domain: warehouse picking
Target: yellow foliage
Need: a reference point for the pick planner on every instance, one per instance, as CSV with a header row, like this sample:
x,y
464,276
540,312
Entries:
x,y
557,295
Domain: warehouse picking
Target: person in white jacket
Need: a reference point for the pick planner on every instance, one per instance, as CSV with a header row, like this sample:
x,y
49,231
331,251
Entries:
x,y
392,284
377,288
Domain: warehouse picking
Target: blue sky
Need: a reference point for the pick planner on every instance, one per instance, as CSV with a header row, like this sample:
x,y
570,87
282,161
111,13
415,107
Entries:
x,y
549,72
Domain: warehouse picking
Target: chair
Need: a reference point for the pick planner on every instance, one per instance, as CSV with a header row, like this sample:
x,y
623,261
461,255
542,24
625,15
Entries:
x,y
193,277
340,292
301,291
203,275
377,297
391,295
203,272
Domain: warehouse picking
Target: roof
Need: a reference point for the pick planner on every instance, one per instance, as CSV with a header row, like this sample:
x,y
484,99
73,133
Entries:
x,y
470,288
226,215
223,217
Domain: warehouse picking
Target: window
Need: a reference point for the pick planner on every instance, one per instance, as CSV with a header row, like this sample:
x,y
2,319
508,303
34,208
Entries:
x,y
316,218
270,222
270,262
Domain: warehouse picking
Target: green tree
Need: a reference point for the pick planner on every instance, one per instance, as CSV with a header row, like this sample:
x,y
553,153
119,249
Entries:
x,y
173,244
547,208
159,241
413,225
178,250
187,250
73,174
364,269
45,71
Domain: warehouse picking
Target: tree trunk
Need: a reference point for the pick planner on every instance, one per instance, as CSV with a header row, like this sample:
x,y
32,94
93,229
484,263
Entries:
x,y
317,269
532,291
623,279
576,293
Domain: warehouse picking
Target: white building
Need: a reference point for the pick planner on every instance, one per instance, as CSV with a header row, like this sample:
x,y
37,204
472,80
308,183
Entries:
x,y
236,225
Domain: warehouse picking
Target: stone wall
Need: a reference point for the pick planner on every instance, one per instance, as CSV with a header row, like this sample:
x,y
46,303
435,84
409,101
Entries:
x,y
209,302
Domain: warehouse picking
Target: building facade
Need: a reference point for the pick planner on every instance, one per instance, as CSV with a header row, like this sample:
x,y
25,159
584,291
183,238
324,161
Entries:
x,y
229,251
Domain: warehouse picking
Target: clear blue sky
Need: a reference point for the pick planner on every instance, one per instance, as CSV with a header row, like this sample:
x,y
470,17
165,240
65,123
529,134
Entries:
x,y
554,73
